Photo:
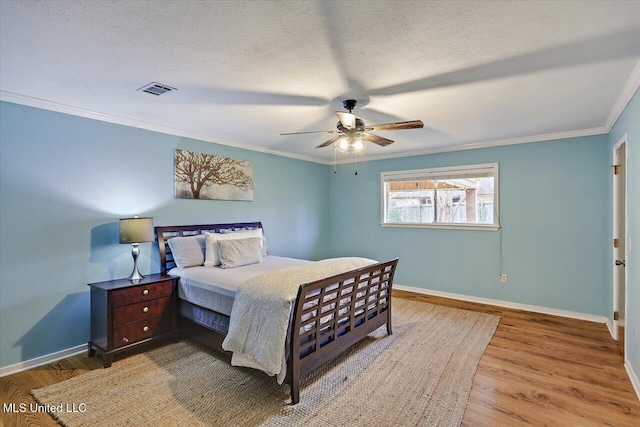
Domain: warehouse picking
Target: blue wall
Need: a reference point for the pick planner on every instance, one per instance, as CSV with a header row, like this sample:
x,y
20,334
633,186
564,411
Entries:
x,y
629,123
553,212
65,182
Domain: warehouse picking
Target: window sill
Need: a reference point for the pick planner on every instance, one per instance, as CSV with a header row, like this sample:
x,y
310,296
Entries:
x,y
443,226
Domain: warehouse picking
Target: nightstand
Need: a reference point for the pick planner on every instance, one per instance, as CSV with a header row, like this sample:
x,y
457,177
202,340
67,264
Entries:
x,y
127,314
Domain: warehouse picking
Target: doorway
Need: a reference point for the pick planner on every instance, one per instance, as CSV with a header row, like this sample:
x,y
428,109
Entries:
x,y
619,239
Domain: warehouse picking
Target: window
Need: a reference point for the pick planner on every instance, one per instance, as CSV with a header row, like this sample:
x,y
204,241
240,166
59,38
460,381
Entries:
x,y
451,197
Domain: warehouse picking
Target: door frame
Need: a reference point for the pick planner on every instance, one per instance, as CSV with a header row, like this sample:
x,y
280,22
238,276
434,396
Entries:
x,y
615,224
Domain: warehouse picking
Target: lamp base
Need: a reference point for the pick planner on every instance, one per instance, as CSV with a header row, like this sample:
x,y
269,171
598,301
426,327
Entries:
x,y
135,274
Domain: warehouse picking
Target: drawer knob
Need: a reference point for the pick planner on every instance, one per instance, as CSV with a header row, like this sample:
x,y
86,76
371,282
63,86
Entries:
x,y
145,309
145,329
125,339
145,291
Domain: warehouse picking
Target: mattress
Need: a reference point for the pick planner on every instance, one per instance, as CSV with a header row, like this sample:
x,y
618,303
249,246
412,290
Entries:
x,y
215,288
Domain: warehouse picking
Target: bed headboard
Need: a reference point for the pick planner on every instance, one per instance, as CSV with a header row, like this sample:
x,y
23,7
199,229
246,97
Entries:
x,y
166,232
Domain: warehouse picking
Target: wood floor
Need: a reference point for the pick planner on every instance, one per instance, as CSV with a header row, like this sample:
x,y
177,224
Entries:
x,y
548,371
537,370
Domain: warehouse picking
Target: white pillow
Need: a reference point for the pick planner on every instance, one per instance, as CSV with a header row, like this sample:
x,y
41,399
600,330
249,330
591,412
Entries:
x,y
236,253
245,234
212,250
212,253
188,251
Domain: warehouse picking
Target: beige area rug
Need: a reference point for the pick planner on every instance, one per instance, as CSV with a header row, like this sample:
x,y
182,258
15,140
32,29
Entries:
x,y
421,375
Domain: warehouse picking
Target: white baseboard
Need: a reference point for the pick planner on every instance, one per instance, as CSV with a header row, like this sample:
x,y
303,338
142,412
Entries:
x,y
507,304
612,332
633,377
42,360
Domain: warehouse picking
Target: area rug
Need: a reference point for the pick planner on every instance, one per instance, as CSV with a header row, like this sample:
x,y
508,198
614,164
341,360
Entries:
x,y
420,375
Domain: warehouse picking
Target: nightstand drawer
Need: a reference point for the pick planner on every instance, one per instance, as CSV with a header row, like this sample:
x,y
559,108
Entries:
x,y
142,329
140,311
141,293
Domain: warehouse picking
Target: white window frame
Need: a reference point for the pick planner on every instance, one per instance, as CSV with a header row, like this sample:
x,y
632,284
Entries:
x,y
451,171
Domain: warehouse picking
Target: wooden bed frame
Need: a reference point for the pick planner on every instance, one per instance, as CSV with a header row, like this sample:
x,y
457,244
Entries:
x,y
357,302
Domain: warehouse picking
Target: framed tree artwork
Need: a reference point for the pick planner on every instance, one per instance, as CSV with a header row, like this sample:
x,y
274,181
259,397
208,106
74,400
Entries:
x,y
206,176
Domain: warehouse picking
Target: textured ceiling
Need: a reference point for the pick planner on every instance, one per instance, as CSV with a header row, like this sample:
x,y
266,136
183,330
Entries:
x,y
474,72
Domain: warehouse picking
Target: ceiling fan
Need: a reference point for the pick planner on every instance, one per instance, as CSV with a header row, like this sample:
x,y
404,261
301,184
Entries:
x,y
353,134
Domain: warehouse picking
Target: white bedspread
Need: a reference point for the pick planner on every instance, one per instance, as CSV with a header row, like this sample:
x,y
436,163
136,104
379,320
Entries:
x,y
214,288
262,309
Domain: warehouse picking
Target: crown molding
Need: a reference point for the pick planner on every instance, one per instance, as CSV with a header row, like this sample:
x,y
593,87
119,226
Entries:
x,y
485,144
627,93
629,90
110,118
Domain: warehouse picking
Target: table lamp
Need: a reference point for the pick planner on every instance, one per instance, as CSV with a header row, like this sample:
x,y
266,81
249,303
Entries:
x,y
135,231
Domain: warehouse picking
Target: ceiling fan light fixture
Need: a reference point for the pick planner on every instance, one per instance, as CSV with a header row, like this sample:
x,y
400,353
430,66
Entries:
x,y
351,144
353,134
359,144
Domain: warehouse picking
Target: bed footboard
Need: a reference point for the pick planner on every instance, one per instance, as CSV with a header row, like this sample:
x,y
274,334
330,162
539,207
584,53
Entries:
x,y
332,314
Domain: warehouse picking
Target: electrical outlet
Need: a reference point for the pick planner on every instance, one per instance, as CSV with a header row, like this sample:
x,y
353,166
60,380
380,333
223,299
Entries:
x,y
503,278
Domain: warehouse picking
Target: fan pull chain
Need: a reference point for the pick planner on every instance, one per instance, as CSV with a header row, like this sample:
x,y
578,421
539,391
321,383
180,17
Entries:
x,y
335,154
356,154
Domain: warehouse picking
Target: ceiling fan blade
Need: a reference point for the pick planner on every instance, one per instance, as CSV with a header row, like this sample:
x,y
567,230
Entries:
x,y
383,142
331,141
348,120
313,131
413,124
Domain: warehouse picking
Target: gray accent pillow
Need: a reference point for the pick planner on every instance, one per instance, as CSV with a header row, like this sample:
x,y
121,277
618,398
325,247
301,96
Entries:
x,y
188,251
239,252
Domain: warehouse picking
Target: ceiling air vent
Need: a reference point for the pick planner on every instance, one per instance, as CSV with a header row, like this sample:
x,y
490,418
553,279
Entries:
x,y
157,89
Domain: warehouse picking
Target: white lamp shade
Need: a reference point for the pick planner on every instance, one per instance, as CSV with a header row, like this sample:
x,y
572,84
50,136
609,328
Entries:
x,y
136,230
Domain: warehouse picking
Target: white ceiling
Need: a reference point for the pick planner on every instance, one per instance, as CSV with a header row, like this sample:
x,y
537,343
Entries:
x,y
476,73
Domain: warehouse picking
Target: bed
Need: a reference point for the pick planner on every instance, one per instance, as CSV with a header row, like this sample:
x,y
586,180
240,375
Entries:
x,y
328,315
